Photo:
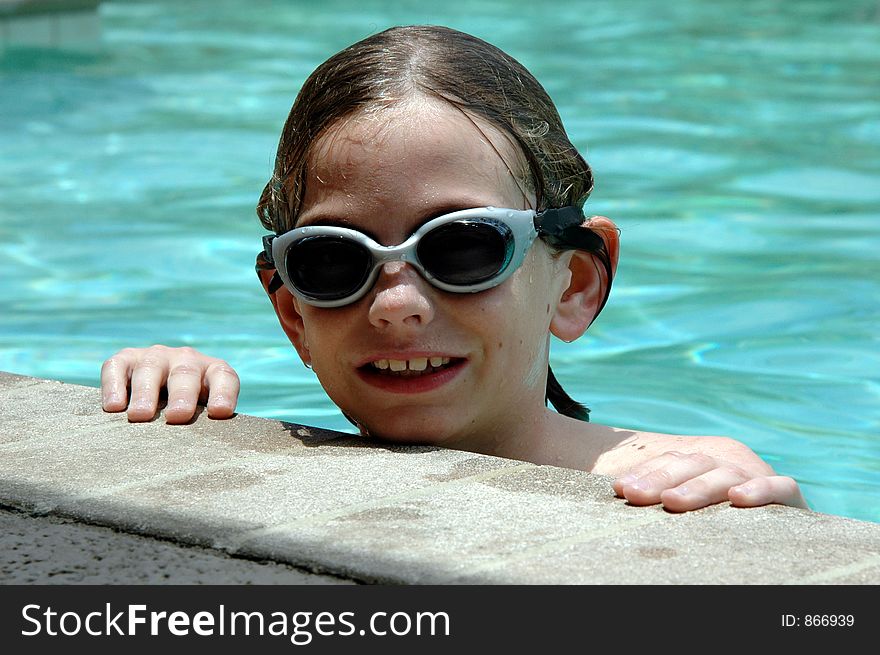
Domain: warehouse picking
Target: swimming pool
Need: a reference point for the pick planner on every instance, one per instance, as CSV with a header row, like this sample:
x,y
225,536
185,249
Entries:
x,y
735,143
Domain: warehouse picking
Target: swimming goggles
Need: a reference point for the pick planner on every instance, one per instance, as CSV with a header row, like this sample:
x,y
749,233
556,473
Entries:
x,y
464,251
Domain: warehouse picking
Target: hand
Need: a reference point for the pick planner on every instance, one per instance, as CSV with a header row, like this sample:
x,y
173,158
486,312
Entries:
x,y
688,481
190,377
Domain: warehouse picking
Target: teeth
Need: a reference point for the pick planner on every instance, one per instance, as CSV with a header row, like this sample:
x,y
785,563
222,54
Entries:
x,y
405,365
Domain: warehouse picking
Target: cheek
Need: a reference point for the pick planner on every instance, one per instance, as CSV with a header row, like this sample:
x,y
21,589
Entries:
x,y
515,321
325,340
323,333
533,301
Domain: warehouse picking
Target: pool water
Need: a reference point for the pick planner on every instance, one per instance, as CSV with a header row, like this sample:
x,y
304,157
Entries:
x,y
736,144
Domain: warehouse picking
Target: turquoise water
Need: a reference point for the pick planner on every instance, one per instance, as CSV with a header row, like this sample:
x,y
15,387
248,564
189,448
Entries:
x,y
736,144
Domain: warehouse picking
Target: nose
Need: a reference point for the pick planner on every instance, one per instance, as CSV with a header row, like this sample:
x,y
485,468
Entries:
x,y
401,298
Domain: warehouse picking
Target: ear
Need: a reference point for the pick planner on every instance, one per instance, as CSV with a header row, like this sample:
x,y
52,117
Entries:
x,y
287,309
587,283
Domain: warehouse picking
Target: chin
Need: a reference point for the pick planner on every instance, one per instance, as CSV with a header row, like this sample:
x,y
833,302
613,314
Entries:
x,y
418,428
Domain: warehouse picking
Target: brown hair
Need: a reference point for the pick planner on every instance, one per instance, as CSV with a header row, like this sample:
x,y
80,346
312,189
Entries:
x,y
470,74
438,62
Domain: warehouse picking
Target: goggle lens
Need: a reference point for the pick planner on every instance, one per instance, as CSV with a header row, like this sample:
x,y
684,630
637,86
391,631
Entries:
x,y
328,267
466,252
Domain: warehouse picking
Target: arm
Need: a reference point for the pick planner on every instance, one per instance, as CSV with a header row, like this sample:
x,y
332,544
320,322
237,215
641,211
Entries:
x,y
189,376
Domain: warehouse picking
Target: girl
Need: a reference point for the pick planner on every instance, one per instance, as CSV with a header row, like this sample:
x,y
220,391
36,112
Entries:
x,y
427,239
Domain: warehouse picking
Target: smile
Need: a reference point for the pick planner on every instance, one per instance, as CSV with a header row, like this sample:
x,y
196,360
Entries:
x,y
410,367
413,375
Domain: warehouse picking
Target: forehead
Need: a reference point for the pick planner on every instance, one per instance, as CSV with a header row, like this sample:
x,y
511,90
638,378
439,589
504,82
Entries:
x,y
415,152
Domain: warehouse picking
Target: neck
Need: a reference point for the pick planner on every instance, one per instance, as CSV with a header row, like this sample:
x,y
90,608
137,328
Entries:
x,y
521,437
546,438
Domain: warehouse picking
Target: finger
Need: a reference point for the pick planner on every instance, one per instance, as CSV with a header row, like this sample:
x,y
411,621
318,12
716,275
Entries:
x,y
147,379
649,466
223,387
644,484
184,387
765,490
115,375
704,490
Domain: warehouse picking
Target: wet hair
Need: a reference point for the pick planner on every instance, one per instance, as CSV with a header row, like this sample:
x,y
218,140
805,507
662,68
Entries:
x,y
471,75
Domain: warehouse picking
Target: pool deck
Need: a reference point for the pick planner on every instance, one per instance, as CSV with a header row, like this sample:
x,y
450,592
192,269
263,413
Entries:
x,y
87,497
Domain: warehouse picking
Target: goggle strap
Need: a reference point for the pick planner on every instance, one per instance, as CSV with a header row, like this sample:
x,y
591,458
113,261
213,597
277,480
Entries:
x,y
553,222
265,262
275,283
267,248
562,228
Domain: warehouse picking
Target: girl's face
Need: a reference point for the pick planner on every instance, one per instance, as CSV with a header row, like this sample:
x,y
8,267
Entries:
x,y
475,363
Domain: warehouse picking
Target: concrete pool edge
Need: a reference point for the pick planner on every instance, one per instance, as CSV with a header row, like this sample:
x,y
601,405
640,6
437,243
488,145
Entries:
x,y
333,507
